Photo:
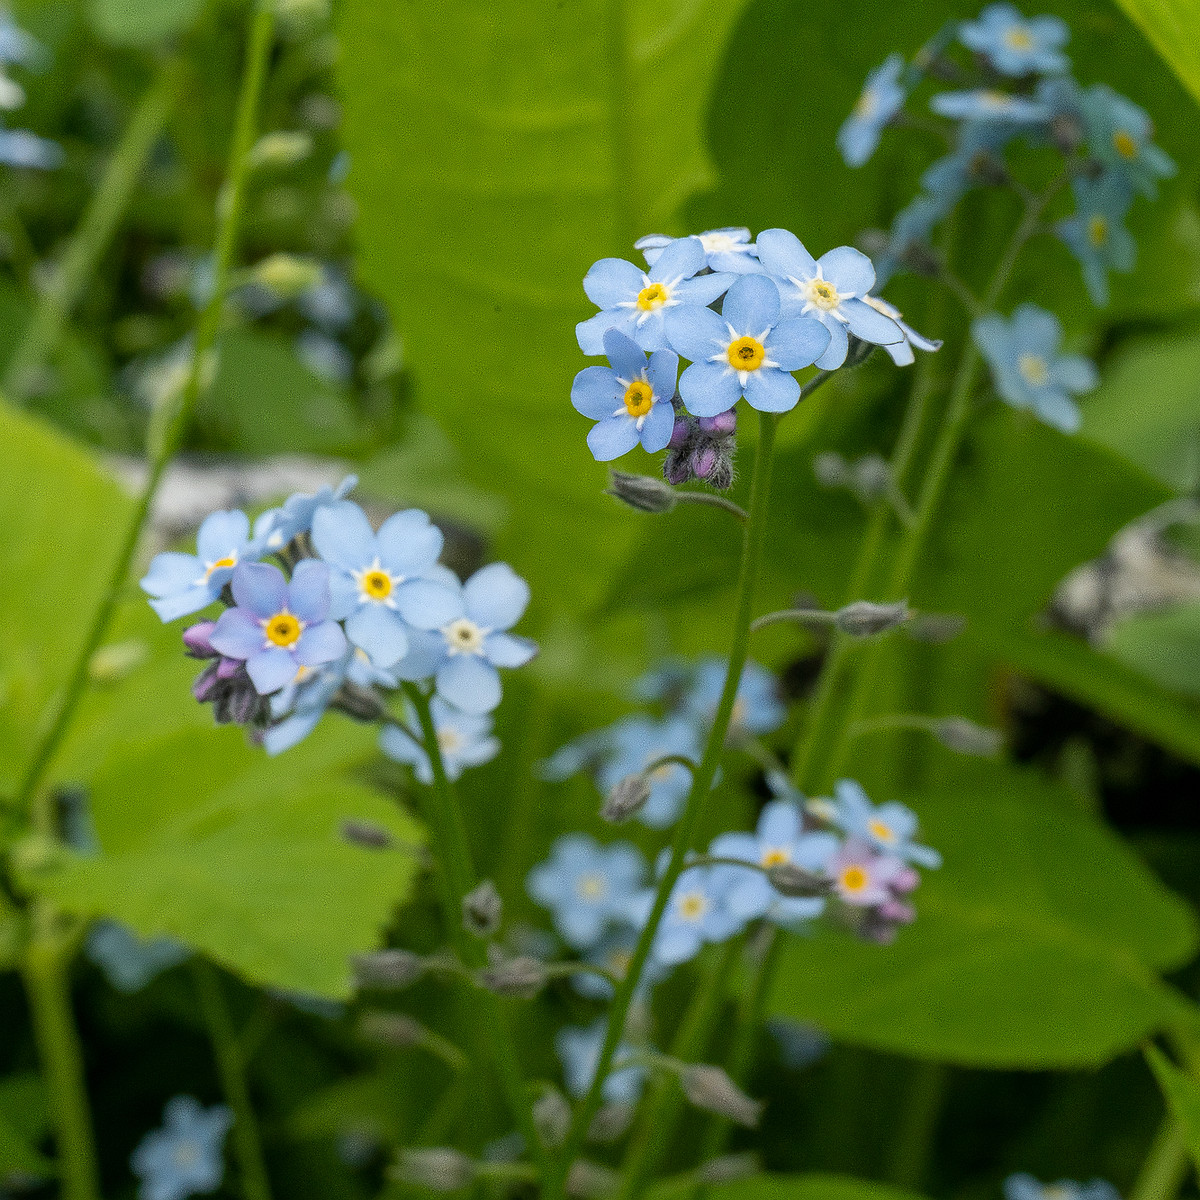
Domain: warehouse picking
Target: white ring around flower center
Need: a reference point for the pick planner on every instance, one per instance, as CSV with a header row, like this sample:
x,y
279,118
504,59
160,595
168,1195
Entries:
x,y
464,636
376,584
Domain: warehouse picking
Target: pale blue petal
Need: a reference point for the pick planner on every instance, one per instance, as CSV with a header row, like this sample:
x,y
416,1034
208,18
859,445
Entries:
x,y
797,343
596,393
320,644
1075,373
379,632
425,604
496,598
771,390
344,593
409,543
182,604
171,572
658,427
661,373
694,332
237,634
508,650
779,823
308,592
1058,409
702,290
709,388
221,534
610,281
626,356
870,325
612,437
849,270
343,536
469,683
782,253
260,587
590,333
269,670
752,305
839,344
684,256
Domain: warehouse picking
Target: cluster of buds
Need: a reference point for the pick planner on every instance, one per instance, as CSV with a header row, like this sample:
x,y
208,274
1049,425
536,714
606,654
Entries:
x,y
702,448
224,683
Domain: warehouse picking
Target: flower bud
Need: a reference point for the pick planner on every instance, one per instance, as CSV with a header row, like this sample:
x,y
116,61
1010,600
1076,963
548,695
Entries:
x,y
677,467
729,1168
936,628
205,684
384,970
482,910
552,1117
898,912
722,424
363,833
864,618
710,1088
791,880
905,881
720,477
440,1169
680,432
965,737
522,977
391,1029
590,1181
286,275
195,640
831,469
283,148
872,477
643,492
626,798
610,1122
704,460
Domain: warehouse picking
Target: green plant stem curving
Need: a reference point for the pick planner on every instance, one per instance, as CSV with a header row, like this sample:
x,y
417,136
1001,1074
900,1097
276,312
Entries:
x,y
1165,1166
752,548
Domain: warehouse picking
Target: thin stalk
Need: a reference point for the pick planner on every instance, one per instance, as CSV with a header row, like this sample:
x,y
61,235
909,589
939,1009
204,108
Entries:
x,y
457,878
231,1066
166,435
918,1124
752,549
44,330
713,499
1165,1167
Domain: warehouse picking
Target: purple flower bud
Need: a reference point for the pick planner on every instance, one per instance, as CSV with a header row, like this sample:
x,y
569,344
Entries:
x,y
244,703
680,433
723,423
227,668
195,640
905,881
703,461
897,912
206,683
676,468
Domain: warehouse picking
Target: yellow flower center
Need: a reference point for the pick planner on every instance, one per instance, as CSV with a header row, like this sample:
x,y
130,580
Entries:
x,y
639,398
1018,38
865,105
1033,369
283,629
377,584
777,857
746,354
853,879
1098,231
592,887
463,637
692,906
1124,144
230,560
653,296
823,295
881,832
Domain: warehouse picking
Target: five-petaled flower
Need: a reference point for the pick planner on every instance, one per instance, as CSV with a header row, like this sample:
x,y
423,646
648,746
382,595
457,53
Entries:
x,y
578,1049
636,743
184,1157
1096,231
757,707
727,249
1119,136
889,828
881,99
464,740
695,914
1014,45
862,878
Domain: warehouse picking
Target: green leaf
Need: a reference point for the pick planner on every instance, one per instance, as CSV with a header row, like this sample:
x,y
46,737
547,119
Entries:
x,y
808,1187
1173,27
483,207
140,22
1163,646
1182,1094
22,1123
1038,944
207,840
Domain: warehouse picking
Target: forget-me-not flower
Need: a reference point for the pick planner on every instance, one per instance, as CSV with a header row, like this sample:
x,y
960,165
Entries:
x,y
630,401
21,148
1119,135
183,1158
728,249
780,840
757,707
696,914
1025,1187
464,740
1096,232
1027,368
1015,45
829,288
746,351
578,1049
378,579
635,301
586,886
614,952
863,878
881,99
901,353
987,104
889,828
185,583
278,627
635,743
128,961
276,527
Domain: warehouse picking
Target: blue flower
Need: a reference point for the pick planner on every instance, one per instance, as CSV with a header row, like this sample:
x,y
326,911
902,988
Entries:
x,y
830,289
128,961
1096,232
638,741
20,148
16,46
1014,45
728,249
279,627
901,353
757,708
696,914
977,156
634,301
987,104
881,99
888,828
464,739
779,840
476,640
614,952
186,583
578,1049
276,527
184,1157
800,1044
1025,1187
1027,368
746,351
586,886
629,401
1119,135
378,579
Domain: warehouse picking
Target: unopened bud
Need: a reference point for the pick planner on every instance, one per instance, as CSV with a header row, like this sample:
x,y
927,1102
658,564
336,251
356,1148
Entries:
x,y
1066,133
552,1117
610,1122
791,880
721,476
286,275
722,424
680,432
677,466
704,461
196,642
872,477
363,833
522,977
590,1181
965,737
646,493
729,1168
627,797
388,969
864,618
391,1029
112,663
898,912
440,1169
710,1088
831,469
482,910
283,148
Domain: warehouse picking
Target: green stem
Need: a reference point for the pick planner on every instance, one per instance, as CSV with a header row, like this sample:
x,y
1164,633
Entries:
x,y
232,1068
94,235
752,549
456,877
1166,1164
918,1124
168,432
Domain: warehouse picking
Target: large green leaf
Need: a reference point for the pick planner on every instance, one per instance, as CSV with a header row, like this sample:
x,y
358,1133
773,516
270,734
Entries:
x,y
808,1187
140,22
1039,943
1163,646
482,206
1173,27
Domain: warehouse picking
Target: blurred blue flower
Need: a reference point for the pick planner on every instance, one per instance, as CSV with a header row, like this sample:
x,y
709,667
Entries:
x,y
186,583
901,353
1014,45
757,708
324,356
276,527
889,828
586,886
464,739
881,99
278,627
830,289
727,249
987,104
614,952
637,741
184,1157
1027,368
976,158
378,579
634,301
578,1048
1096,232
696,913
746,351
863,878
16,46
128,961
1025,1187
1119,135
629,401
20,148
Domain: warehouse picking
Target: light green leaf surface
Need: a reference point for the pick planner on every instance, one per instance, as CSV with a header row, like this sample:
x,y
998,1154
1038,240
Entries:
x,y
1164,647
1173,27
1038,944
808,1187
140,22
1182,1094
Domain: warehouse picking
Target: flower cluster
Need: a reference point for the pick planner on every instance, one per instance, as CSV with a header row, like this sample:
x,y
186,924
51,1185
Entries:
x,y
19,147
1022,89
1025,1187
344,613
781,310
